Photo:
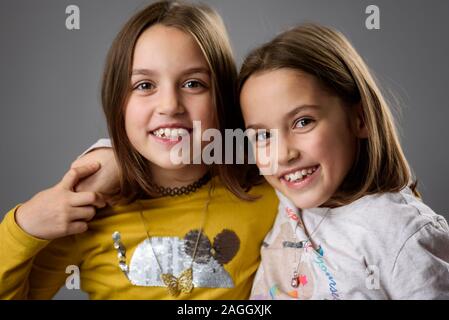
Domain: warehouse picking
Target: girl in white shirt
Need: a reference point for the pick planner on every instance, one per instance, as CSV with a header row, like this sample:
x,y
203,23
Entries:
x,y
351,224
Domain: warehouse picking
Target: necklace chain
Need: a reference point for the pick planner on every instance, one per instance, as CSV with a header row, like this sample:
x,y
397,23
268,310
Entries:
x,y
183,283
295,281
175,285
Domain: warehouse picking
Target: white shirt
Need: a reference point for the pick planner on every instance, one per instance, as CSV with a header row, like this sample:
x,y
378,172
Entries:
x,y
383,246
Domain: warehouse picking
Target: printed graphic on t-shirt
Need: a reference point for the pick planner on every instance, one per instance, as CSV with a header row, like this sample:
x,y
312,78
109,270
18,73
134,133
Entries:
x,y
174,255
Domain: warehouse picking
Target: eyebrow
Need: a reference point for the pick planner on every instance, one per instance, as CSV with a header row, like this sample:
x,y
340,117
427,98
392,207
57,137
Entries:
x,y
148,72
300,108
143,72
290,114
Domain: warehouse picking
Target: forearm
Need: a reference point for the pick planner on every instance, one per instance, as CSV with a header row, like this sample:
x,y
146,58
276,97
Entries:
x,y
17,251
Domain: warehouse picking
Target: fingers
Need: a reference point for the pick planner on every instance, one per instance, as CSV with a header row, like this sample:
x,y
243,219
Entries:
x,y
102,155
113,200
74,175
86,214
76,227
85,184
81,199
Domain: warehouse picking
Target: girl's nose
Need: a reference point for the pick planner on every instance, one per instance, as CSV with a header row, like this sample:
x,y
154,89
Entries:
x,y
170,104
287,151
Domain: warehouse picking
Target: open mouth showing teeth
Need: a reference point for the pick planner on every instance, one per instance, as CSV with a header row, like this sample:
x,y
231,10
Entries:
x,y
171,133
300,174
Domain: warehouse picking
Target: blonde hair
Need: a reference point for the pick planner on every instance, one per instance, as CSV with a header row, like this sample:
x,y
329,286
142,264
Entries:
x,y
208,30
380,164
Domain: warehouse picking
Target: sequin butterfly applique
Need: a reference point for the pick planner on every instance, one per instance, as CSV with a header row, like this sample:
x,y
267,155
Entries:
x,y
183,284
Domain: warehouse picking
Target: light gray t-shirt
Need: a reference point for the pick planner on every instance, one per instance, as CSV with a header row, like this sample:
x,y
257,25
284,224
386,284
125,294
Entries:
x,y
383,246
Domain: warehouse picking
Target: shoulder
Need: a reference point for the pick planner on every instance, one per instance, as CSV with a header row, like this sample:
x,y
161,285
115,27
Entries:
x,y
264,190
390,220
267,201
422,242
260,212
117,210
397,210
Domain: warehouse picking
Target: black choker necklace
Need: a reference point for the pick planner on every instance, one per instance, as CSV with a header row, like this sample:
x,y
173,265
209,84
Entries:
x,y
177,191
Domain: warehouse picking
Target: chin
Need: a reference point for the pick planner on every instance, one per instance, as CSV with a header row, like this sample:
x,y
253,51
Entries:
x,y
163,162
306,200
168,165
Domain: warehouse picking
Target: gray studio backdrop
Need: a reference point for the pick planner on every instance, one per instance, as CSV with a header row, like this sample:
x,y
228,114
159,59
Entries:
x,y
50,78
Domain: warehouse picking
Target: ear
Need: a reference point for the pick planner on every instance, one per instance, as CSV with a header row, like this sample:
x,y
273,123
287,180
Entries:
x,y
360,129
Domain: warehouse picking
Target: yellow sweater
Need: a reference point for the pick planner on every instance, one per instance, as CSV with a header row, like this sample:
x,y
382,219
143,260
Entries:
x,y
224,266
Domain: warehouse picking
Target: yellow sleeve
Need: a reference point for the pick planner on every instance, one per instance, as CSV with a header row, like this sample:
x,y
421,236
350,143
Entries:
x,y
32,268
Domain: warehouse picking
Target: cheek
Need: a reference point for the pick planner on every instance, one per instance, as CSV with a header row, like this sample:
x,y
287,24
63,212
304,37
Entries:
x,y
136,117
272,180
201,109
335,151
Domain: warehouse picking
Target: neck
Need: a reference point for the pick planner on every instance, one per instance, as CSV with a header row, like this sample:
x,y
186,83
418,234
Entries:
x,y
178,177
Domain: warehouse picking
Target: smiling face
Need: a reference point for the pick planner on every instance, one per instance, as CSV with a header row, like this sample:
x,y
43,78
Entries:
x,y
317,138
171,88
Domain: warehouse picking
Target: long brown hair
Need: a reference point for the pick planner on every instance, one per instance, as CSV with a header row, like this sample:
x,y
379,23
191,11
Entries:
x,y
207,28
380,164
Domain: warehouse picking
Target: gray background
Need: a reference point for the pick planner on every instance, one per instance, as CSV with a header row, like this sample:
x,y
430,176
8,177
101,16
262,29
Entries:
x,y
50,78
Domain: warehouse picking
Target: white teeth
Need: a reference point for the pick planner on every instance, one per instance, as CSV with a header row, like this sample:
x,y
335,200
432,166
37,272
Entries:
x,y
298,175
170,133
183,132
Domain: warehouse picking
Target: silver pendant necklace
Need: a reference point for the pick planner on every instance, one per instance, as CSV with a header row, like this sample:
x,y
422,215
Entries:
x,y
296,277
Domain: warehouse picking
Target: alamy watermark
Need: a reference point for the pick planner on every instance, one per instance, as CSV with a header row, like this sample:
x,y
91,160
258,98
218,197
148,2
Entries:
x,y
263,153
72,282
372,22
72,21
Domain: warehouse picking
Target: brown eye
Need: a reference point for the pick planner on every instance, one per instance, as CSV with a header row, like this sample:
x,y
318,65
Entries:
x,y
303,122
145,86
193,84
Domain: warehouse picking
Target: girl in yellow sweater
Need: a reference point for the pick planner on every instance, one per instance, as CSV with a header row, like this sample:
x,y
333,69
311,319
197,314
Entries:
x,y
181,230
